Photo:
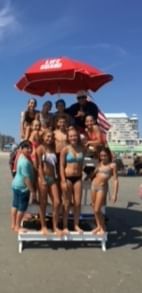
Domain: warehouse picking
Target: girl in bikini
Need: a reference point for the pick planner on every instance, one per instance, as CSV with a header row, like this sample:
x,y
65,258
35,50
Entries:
x,y
102,174
71,166
47,180
94,140
27,118
95,137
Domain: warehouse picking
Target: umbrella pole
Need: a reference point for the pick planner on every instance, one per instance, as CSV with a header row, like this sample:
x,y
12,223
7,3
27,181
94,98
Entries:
x,y
58,93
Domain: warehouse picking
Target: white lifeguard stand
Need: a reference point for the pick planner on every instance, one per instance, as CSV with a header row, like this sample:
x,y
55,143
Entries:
x,y
86,214
72,236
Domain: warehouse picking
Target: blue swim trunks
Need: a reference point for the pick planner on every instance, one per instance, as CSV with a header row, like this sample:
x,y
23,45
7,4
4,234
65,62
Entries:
x,y
20,199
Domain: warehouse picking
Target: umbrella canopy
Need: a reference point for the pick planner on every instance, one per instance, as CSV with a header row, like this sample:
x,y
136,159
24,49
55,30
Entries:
x,y
61,75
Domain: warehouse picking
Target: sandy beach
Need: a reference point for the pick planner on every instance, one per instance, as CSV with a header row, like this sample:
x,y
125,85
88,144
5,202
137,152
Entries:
x,y
4,154
75,267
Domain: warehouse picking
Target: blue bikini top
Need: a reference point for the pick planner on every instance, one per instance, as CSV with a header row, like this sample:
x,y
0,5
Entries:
x,y
71,158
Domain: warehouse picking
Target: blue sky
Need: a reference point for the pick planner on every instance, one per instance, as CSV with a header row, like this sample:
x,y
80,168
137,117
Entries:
x,y
106,34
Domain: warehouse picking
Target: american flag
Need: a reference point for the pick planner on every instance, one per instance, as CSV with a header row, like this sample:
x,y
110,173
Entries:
x,y
103,122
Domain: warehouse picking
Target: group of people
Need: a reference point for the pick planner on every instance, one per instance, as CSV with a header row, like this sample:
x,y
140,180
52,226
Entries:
x,y
50,162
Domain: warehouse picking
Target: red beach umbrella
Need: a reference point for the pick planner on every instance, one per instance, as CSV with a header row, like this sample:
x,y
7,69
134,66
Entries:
x,y
61,75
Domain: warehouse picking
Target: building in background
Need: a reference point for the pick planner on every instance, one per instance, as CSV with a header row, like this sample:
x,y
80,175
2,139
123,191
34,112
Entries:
x,y
5,141
123,136
124,129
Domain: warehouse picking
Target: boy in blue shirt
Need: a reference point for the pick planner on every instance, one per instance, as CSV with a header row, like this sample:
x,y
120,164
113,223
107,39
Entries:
x,y
22,185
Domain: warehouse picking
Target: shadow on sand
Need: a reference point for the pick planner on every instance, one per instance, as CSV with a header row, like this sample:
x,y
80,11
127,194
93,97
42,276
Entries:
x,y
124,228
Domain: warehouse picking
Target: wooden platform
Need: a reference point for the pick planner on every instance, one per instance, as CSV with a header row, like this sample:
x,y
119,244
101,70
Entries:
x,y
72,236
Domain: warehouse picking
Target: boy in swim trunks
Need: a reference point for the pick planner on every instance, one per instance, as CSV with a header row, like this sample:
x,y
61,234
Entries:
x,y
22,185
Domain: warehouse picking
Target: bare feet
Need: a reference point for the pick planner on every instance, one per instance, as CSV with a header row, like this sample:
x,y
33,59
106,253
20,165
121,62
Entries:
x,y
22,230
13,227
101,232
96,230
78,229
58,232
66,231
44,231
